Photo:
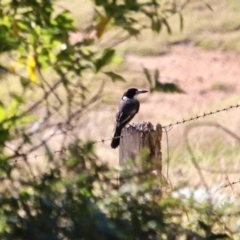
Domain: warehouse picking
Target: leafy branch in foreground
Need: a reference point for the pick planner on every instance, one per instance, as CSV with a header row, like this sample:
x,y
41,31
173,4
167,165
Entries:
x,y
157,86
89,204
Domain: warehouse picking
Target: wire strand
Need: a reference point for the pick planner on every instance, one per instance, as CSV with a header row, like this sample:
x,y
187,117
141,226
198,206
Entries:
x,y
168,127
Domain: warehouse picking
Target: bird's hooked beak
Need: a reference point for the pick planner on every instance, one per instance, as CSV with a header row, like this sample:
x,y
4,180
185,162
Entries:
x,y
141,91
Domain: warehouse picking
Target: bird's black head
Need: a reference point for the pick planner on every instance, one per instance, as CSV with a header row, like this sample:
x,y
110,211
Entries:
x,y
131,92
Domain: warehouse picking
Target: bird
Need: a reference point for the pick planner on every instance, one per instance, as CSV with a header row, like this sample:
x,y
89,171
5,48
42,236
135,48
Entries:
x,y
127,109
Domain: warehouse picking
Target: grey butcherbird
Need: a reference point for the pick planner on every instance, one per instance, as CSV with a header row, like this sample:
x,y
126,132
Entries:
x,y
127,109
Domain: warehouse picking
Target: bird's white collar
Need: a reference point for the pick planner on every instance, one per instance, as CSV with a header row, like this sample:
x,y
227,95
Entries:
x,y
125,98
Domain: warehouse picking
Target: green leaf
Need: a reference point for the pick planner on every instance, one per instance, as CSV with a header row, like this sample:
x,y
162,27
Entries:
x,y
22,25
18,98
117,59
4,135
204,226
156,24
24,194
26,138
26,119
164,21
71,162
181,21
162,87
88,147
24,81
63,19
208,6
104,59
218,236
114,76
13,108
43,58
148,76
132,31
156,75
3,112
167,87
101,26
86,42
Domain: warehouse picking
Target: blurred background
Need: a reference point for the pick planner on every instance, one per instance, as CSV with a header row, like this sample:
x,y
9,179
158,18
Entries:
x,y
64,66
201,56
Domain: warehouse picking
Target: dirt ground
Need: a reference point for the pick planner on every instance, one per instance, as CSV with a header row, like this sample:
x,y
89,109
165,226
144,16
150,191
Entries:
x,y
206,76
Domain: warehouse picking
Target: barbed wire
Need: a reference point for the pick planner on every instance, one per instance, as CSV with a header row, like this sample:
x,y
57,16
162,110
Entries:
x,y
171,125
24,157
203,115
166,128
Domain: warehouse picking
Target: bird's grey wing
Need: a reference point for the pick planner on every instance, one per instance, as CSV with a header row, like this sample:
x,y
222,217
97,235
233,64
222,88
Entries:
x,y
126,112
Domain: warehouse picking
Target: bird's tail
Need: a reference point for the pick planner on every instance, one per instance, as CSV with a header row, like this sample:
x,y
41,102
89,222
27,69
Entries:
x,y
116,137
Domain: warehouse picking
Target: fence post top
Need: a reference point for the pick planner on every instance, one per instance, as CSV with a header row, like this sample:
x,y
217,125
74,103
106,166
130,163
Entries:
x,y
144,126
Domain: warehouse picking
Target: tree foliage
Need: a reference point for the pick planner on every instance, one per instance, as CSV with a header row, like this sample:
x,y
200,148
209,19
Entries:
x,y
76,196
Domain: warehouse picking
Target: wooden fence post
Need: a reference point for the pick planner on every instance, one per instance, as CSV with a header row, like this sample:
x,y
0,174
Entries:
x,y
142,138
